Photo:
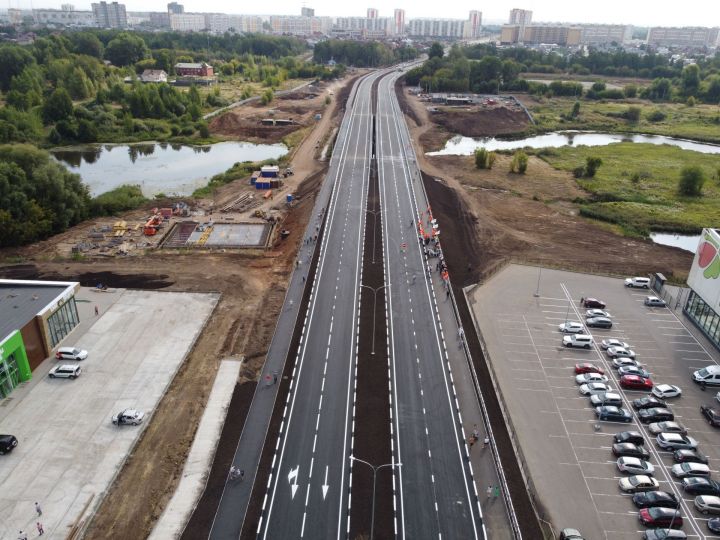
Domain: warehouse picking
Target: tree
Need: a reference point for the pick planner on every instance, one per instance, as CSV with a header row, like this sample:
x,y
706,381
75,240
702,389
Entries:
x,y
86,43
267,96
630,91
436,50
125,49
692,179
575,110
632,114
13,60
87,132
592,164
691,79
519,162
58,106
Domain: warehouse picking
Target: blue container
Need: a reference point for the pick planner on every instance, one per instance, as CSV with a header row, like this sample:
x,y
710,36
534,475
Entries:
x,y
289,197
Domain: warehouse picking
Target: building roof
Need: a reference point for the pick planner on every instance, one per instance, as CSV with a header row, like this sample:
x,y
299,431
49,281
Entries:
x,y
191,65
154,72
21,301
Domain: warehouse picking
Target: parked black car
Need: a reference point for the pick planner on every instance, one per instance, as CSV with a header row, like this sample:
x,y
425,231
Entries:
x,y
7,443
701,486
630,450
689,456
647,402
634,437
711,415
655,498
714,525
656,414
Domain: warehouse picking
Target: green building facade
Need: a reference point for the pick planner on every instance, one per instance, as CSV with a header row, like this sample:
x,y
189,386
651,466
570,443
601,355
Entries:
x,y
14,365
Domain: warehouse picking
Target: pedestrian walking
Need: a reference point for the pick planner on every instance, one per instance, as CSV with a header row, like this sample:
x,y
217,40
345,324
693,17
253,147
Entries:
x,y
40,529
242,474
461,333
471,441
315,238
414,278
489,491
38,509
447,293
496,492
97,311
476,433
582,300
303,279
486,441
275,374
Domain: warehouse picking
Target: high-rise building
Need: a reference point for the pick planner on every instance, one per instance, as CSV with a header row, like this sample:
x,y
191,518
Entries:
x,y
301,26
522,17
474,24
364,26
399,21
188,22
307,12
372,13
175,9
67,16
111,15
689,37
601,34
449,28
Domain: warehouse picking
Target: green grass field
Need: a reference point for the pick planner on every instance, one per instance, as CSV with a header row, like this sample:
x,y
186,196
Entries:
x,y
701,122
636,186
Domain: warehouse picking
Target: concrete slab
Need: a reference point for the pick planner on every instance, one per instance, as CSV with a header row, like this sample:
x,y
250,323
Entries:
x,y
199,461
69,451
233,234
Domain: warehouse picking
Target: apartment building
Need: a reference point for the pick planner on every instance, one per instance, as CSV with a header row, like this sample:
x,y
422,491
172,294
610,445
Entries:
x,y
399,19
300,26
474,25
688,37
372,13
521,17
601,34
219,23
111,15
541,33
67,16
307,12
175,8
187,22
442,28
377,26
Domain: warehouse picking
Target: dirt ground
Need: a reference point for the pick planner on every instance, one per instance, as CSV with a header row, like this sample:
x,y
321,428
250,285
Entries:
x,y
531,218
252,284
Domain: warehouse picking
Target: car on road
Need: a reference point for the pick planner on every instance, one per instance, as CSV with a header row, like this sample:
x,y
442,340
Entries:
x,y
584,341
65,371
633,370
630,450
71,353
676,441
596,313
714,525
708,504
622,361
571,327
711,415
7,443
610,413
633,465
666,391
661,517
599,322
667,426
590,378
638,483
664,534
634,382
607,398
689,456
655,414
612,342
707,376
701,486
588,367
634,437
590,389
571,534
638,282
620,351
654,301
128,417
662,499
647,402
685,470
593,303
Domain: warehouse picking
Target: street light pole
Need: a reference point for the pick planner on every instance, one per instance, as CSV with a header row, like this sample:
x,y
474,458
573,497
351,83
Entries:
x,y
375,469
375,290
374,215
537,290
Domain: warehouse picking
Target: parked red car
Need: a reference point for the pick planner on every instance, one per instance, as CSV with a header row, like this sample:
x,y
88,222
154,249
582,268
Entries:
x,y
635,382
587,367
660,517
593,303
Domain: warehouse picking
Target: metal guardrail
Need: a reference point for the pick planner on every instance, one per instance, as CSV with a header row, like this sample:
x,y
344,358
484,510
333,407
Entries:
x,y
415,171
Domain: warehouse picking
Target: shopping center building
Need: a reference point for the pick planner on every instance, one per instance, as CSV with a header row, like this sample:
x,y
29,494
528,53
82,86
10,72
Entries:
x,y
703,302
34,317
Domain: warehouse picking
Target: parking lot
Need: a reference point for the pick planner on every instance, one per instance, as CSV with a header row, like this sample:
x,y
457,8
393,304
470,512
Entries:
x,y
69,451
566,451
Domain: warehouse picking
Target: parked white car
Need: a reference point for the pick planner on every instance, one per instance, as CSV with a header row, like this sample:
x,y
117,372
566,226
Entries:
x,y
620,351
633,465
65,371
128,417
571,327
590,389
684,470
612,342
590,378
654,301
71,353
708,504
638,282
665,391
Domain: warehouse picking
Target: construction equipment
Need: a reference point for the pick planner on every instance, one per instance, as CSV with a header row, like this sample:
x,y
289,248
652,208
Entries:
x,y
260,214
152,225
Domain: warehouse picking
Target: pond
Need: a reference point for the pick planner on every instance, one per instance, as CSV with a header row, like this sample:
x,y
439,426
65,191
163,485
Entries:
x,y
465,146
682,241
173,169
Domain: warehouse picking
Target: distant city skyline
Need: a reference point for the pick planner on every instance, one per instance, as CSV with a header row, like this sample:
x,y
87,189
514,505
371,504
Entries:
x,y
639,13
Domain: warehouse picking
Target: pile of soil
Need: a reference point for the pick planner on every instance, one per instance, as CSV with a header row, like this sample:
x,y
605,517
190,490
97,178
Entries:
x,y
477,122
234,124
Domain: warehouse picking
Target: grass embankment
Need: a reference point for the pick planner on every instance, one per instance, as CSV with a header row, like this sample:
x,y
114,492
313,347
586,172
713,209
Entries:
x,y
700,122
120,199
636,187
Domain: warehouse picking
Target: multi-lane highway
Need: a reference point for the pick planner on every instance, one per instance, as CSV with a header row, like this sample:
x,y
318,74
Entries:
x,y
436,495
307,495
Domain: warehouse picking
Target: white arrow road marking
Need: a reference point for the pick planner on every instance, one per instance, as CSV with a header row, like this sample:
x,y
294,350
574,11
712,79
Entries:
x,y
325,486
292,479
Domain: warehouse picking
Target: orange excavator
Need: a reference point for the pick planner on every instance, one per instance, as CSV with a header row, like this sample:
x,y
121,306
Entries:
x,y
152,225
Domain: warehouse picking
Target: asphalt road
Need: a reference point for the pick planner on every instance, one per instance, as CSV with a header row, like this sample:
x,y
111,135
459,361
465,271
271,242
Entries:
x,y
435,496
308,490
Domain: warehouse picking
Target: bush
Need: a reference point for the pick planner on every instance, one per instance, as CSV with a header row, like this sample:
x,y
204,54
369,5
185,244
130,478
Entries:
x,y
481,158
519,162
491,160
656,116
575,110
267,96
118,200
630,91
639,175
579,172
692,179
690,101
632,114
204,130
592,164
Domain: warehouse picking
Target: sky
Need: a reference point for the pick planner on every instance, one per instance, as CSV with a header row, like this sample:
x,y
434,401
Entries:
x,y
635,12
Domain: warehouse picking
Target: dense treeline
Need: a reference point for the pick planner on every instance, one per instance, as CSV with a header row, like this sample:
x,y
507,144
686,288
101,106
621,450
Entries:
x,y
485,69
38,196
361,53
